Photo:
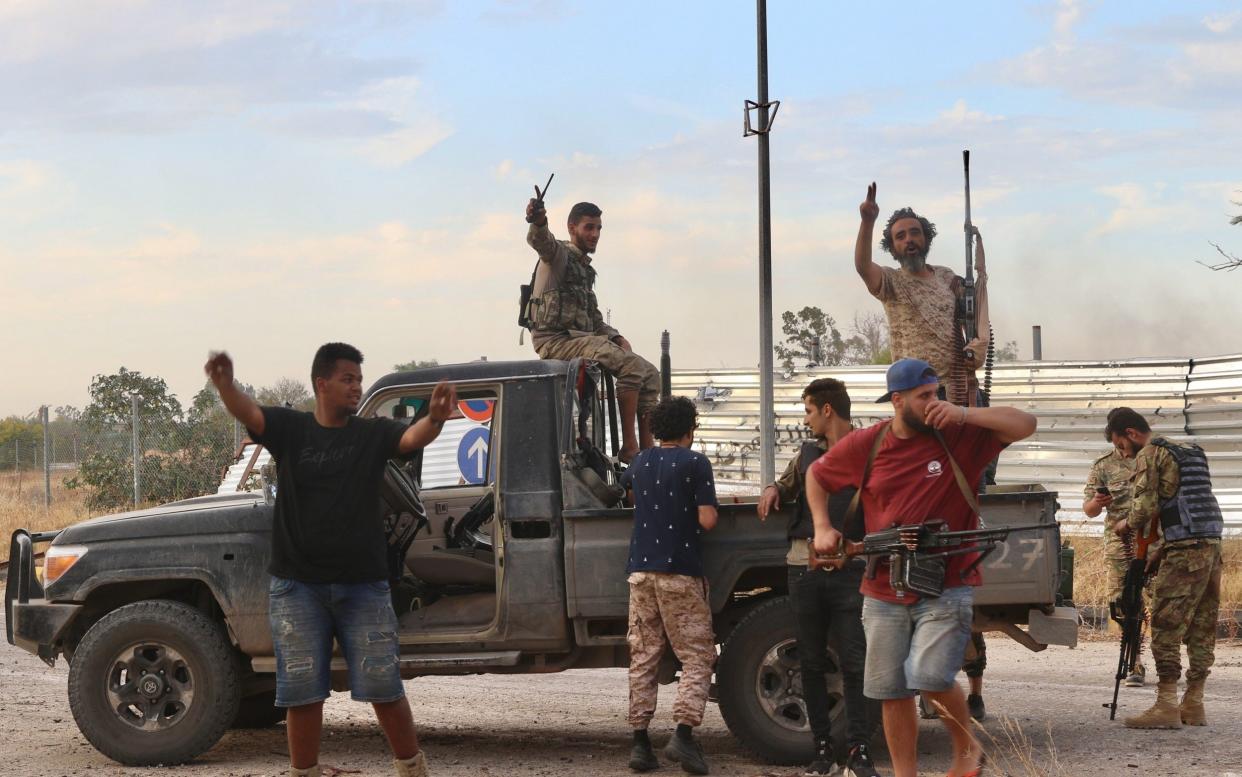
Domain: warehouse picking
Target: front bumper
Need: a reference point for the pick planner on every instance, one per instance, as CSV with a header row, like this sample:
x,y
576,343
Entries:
x,y
32,622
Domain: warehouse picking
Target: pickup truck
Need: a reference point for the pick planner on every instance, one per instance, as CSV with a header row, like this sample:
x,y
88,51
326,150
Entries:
x,y
516,565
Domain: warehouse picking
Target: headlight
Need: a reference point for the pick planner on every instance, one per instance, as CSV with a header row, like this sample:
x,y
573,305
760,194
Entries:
x,y
59,559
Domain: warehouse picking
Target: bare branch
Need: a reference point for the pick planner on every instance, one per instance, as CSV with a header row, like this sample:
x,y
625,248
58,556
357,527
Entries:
x,y
1230,264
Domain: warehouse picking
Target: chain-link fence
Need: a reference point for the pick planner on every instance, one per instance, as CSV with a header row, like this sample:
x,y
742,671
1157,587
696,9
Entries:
x,y
144,457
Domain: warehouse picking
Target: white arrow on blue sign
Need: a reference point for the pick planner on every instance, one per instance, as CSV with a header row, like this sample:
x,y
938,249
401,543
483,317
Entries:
x,y
472,455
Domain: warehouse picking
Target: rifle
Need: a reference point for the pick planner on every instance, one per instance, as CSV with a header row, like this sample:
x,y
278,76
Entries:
x,y
527,289
917,553
967,313
1127,611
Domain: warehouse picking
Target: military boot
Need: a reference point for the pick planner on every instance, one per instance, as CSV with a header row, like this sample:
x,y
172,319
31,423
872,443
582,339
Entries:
x,y
1192,704
412,767
1164,713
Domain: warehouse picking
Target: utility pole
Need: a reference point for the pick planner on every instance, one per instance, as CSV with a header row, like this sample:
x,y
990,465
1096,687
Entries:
x,y
763,125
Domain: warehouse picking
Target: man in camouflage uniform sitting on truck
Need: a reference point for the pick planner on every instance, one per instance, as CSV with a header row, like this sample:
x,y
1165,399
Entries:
x,y
566,322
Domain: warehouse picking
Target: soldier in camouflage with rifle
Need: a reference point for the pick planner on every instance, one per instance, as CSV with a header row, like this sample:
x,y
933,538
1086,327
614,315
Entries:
x,y
566,323
1172,486
1108,491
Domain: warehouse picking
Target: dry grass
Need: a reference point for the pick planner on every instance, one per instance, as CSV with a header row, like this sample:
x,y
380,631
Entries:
x,y
21,504
1091,575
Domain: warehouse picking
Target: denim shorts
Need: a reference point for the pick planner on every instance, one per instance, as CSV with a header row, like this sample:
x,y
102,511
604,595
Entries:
x,y
917,647
305,617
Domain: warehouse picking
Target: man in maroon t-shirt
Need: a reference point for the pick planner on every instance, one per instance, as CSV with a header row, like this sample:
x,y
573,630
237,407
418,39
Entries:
x,y
913,643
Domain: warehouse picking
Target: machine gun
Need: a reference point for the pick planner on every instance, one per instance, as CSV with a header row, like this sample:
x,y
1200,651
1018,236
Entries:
x,y
967,313
917,554
1127,611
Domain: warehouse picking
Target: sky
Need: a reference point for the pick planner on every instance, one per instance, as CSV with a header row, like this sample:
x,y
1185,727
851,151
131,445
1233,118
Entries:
x,y
263,176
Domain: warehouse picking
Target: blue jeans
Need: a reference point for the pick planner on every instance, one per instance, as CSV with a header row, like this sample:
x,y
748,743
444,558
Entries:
x,y
916,647
305,617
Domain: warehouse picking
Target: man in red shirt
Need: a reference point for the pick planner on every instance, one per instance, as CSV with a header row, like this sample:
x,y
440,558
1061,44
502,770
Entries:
x,y
913,643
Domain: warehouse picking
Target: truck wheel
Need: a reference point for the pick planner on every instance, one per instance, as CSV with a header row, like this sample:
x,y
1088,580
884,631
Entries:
x,y
759,685
154,682
259,711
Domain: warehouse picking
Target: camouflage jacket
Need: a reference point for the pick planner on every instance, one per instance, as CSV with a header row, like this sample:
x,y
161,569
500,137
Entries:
x,y
922,319
1115,472
791,482
563,302
1155,480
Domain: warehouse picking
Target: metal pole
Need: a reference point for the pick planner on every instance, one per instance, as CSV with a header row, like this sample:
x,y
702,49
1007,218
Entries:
x,y
133,400
1037,343
767,420
666,368
47,459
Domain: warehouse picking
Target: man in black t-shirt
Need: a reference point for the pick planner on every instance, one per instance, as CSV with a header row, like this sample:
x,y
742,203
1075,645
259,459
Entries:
x,y
826,602
329,566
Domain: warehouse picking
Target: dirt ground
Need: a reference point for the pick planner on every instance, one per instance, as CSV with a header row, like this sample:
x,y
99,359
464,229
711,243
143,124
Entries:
x,y
574,724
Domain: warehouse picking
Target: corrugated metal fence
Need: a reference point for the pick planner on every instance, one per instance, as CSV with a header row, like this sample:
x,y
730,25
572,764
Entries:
x,y
1184,399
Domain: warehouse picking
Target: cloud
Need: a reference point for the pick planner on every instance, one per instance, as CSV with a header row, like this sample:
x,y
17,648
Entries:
x,y
960,114
159,66
1135,210
1178,62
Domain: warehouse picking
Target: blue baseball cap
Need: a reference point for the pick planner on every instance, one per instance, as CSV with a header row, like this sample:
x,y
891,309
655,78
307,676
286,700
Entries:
x,y
905,374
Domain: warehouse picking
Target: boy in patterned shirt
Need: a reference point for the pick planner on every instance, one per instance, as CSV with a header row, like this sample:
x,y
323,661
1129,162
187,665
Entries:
x,y
674,495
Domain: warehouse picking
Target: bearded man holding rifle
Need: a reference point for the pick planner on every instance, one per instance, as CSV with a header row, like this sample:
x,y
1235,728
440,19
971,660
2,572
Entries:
x,y
916,469
933,314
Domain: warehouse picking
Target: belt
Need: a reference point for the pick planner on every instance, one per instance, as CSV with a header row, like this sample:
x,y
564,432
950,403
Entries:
x,y
1190,545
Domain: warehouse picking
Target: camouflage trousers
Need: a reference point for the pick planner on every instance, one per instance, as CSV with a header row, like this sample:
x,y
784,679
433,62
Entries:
x,y
631,371
1185,605
673,609
1117,568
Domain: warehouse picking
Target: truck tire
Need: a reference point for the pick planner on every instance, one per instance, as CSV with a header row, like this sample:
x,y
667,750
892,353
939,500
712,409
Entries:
x,y
759,687
259,711
154,682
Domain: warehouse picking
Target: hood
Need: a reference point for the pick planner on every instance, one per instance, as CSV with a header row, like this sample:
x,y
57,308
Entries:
x,y
212,514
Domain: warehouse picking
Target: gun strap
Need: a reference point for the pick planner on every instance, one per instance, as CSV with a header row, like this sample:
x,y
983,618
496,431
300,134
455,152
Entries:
x,y
852,510
967,491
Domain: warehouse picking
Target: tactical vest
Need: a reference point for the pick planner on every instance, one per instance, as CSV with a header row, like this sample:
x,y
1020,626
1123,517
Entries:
x,y
568,305
1193,512
801,525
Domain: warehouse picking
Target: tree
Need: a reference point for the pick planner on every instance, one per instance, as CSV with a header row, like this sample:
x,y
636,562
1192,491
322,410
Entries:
x,y
181,454
417,364
286,392
1007,352
868,343
810,334
1232,261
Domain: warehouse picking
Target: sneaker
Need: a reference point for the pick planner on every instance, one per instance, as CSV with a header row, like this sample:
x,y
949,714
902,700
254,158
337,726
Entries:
x,y
975,703
643,758
858,764
688,753
1137,678
822,766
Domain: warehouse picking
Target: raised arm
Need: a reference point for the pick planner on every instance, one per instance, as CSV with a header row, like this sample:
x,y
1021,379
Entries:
x,y
427,428
867,269
1009,424
219,369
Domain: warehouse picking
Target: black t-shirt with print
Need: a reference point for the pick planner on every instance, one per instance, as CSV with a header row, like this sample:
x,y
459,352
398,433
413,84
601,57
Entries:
x,y
327,526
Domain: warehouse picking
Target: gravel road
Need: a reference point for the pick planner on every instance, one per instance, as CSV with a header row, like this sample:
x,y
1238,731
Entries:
x,y
574,724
